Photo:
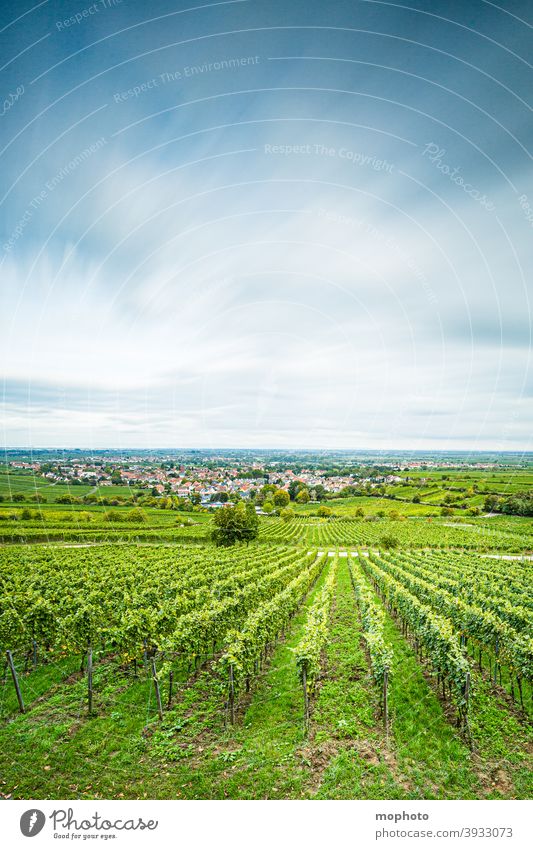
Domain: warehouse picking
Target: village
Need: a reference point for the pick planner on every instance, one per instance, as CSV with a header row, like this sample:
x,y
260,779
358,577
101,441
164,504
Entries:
x,y
210,486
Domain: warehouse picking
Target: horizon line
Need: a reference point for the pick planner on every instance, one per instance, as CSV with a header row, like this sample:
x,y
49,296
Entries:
x,y
29,449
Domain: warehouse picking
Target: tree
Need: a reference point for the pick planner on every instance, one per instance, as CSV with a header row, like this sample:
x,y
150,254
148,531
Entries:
x,y
266,492
136,515
303,496
235,524
223,497
287,513
323,512
416,499
268,507
281,498
389,541
294,488
491,503
520,504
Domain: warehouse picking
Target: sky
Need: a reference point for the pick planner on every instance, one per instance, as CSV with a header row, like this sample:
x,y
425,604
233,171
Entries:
x,y
266,224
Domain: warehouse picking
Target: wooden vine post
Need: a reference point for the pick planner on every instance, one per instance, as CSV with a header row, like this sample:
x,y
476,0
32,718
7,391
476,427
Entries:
x,y
15,681
156,688
386,702
231,700
467,701
306,700
170,681
90,678
496,654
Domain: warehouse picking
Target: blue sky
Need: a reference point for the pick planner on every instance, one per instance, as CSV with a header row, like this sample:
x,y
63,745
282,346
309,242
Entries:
x,y
266,224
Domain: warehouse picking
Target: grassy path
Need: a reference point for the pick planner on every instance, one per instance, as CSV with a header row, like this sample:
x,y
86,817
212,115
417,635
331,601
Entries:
x,y
428,749
425,757
346,747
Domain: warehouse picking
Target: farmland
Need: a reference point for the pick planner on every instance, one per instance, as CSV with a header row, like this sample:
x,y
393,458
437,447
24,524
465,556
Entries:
x,y
380,648
226,637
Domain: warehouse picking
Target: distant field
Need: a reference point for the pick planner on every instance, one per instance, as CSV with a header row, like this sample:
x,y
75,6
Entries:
x,y
370,505
29,484
500,482
409,533
10,483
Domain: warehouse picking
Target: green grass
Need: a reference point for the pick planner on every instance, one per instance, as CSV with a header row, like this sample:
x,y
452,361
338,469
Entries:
x,y
57,751
27,484
30,484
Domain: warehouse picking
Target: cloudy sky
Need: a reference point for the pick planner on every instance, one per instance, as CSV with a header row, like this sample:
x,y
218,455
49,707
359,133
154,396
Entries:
x,y
261,223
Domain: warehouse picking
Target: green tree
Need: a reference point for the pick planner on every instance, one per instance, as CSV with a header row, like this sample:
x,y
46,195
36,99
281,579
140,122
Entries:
x,y
323,511
220,496
520,504
491,503
136,515
266,492
303,496
281,498
287,513
268,506
235,524
294,488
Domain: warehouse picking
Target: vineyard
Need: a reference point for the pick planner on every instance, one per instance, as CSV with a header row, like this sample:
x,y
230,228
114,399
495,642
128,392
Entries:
x,y
181,605
196,644
125,526
415,533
